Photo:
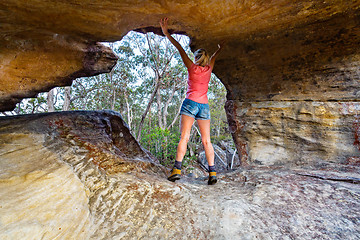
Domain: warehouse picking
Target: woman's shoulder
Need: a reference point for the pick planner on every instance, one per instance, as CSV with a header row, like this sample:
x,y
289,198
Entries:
x,y
199,68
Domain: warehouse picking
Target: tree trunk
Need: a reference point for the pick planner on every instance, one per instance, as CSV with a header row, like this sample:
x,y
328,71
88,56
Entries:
x,y
147,109
113,90
150,120
50,101
218,128
129,118
158,100
67,99
176,116
18,109
165,112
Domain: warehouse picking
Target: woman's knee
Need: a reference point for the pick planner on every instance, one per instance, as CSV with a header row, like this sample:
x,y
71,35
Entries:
x,y
206,142
185,137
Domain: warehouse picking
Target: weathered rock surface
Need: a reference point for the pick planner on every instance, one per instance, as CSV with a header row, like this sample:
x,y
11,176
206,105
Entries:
x,y
224,161
80,175
35,67
276,49
291,69
296,133
293,51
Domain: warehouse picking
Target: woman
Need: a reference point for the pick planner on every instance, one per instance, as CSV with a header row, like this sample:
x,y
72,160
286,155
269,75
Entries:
x,y
195,106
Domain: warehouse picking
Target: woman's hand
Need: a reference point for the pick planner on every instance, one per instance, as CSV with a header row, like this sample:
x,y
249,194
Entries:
x,y
164,26
221,44
216,53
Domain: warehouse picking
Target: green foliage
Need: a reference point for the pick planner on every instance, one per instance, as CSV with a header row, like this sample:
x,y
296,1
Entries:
x,y
217,98
31,105
143,60
161,143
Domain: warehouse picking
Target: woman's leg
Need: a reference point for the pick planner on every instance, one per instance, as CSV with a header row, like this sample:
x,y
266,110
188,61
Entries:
x,y
204,126
185,127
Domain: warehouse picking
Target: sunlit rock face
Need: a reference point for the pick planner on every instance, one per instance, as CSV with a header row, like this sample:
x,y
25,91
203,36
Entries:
x,y
32,67
291,69
56,172
81,175
294,52
296,133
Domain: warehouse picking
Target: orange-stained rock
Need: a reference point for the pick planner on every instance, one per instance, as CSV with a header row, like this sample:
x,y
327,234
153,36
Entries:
x,y
291,69
297,133
81,175
293,50
35,66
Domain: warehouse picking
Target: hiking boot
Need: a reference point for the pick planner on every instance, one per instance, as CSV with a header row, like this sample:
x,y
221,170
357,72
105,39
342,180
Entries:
x,y
175,175
212,178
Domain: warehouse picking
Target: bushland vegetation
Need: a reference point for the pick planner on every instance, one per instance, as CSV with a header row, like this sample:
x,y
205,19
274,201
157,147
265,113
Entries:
x,y
147,86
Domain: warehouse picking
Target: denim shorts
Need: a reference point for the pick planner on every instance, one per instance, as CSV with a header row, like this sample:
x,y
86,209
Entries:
x,y
196,110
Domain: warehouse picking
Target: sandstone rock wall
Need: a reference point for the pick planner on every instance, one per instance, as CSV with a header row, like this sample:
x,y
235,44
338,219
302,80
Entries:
x,y
291,69
296,133
32,66
291,51
295,95
70,176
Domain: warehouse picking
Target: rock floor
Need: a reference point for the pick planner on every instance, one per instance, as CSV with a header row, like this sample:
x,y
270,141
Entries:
x,y
53,187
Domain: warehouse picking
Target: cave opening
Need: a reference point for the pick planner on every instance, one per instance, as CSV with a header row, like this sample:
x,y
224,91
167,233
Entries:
x,y
147,86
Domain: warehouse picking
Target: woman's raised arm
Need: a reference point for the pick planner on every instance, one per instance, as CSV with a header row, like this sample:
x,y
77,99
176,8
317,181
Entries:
x,y
216,53
164,26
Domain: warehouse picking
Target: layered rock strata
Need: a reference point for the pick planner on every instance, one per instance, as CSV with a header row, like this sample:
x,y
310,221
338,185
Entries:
x,y
276,49
30,67
81,175
293,93
300,52
291,71
297,133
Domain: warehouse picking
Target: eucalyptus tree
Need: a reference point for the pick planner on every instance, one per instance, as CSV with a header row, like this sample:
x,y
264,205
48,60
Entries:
x,y
166,76
147,86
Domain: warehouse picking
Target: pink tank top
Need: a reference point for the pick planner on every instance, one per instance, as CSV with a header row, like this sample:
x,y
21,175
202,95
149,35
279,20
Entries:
x,y
198,83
